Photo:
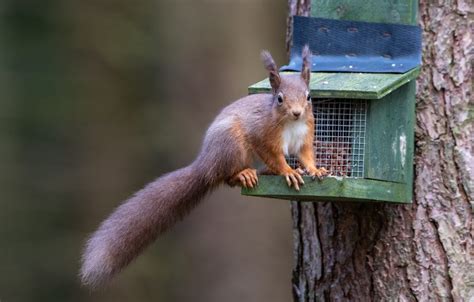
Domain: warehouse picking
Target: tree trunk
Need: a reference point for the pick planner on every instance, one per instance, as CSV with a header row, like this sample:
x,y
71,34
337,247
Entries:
x,y
417,252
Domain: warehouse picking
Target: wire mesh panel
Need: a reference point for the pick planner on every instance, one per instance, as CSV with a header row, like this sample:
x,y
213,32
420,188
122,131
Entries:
x,y
339,136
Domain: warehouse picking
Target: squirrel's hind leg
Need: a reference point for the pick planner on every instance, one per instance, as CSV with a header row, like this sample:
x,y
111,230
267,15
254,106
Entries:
x,y
246,178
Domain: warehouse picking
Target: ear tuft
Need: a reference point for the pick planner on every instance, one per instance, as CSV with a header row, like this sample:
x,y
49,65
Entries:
x,y
268,61
306,67
270,65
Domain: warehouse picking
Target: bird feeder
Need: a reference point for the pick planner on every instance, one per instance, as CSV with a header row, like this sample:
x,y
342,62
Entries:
x,y
363,97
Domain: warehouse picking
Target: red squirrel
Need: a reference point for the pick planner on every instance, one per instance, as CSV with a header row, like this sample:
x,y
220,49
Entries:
x,y
269,126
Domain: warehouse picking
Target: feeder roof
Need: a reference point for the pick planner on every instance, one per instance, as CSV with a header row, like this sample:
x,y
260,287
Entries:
x,y
348,85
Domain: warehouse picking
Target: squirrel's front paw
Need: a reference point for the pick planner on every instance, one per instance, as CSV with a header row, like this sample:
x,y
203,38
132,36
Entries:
x,y
293,178
315,172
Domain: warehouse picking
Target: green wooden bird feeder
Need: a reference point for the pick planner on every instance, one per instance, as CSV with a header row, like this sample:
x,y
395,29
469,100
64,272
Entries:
x,y
363,92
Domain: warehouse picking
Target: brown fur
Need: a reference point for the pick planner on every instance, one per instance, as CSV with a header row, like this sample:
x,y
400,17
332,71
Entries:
x,y
306,68
274,76
251,126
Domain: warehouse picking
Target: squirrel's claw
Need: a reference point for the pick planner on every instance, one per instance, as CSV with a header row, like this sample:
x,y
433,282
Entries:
x,y
293,178
247,178
319,173
243,181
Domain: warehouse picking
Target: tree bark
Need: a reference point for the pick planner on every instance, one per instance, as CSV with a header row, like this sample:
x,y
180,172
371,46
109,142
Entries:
x,y
417,252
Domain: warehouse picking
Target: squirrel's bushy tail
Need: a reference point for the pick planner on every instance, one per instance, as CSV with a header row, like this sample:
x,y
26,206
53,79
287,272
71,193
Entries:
x,y
138,221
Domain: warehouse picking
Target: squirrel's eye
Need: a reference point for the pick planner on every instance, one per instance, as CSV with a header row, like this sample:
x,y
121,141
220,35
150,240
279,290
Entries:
x,y
280,99
308,97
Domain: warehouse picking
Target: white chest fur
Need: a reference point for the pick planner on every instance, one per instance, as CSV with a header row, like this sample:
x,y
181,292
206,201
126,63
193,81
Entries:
x,y
293,136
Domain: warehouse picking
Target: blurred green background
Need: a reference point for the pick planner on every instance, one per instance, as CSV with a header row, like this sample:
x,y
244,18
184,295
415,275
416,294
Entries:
x,y
99,97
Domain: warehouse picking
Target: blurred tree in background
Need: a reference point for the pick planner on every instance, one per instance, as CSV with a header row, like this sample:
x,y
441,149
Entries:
x,y
99,97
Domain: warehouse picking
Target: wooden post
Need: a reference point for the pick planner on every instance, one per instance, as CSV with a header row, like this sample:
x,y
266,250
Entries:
x,y
418,252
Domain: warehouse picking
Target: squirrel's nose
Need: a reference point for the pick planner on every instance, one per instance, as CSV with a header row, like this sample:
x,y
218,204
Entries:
x,y
296,113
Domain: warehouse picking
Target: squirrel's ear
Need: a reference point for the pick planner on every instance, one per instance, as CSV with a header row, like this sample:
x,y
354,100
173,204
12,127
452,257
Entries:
x,y
306,67
270,65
